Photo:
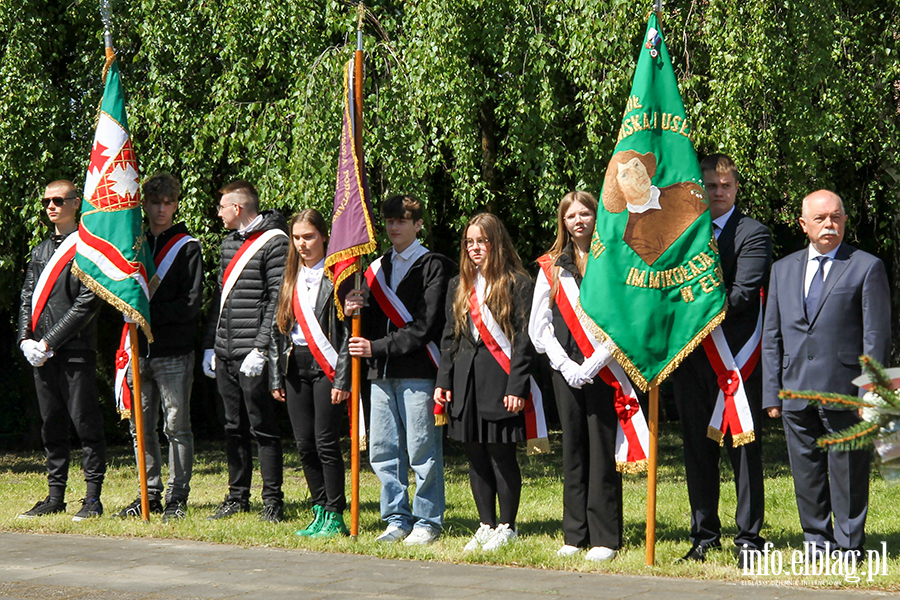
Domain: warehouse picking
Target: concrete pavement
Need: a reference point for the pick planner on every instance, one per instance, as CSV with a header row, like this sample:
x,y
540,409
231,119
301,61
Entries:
x,y
37,567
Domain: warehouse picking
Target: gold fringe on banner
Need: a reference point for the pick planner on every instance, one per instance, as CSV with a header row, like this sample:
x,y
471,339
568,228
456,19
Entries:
x,y
538,446
117,303
631,468
743,438
715,435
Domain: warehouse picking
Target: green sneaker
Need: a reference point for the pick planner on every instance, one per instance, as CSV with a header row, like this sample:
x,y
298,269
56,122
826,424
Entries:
x,y
333,527
317,522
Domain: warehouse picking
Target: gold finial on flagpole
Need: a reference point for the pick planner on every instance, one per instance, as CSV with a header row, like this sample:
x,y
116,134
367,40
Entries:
x,y
360,15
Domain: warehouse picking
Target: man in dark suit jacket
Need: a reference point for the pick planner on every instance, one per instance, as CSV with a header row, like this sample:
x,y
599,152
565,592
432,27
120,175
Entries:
x,y
828,304
745,250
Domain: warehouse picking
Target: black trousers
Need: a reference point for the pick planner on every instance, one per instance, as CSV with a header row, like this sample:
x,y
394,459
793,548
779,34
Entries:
x,y
317,430
67,392
828,483
495,479
592,488
250,413
696,390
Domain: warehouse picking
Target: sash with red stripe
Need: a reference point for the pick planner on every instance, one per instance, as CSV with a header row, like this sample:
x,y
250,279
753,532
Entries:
x,y
632,435
732,411
61,257
393,306
500,348
248,250
163,262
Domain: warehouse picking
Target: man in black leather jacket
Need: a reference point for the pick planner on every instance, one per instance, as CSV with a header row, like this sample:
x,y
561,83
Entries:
x,y
58,335
236,346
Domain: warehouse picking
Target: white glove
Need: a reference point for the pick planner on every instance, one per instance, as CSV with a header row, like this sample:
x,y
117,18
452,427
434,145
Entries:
x,y
591,366
569,371
209,363
253,363
35,352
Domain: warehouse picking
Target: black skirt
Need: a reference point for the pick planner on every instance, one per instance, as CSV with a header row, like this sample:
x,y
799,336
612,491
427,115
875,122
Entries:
x,y
470,427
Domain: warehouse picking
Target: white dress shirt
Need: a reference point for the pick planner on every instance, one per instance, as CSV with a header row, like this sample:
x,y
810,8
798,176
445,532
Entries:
x,y
401,262
719,223
309,280
812,265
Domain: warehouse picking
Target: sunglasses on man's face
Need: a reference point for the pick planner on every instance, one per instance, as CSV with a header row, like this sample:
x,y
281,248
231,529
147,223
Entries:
x,y
56,200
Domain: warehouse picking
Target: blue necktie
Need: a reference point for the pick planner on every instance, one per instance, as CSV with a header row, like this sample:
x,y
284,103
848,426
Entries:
x,y
815,287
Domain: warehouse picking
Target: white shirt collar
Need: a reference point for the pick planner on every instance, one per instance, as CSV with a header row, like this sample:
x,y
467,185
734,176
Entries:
x,y
721,220
651,204
408,253
813,253
251,224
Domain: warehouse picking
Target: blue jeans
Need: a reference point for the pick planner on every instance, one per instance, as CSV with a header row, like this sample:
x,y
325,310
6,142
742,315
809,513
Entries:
x,y
403,435
166,387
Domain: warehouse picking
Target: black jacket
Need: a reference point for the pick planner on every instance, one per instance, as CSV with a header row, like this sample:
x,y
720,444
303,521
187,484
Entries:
x,y
326,314
67,321
401,353
246,319
175,305
460,356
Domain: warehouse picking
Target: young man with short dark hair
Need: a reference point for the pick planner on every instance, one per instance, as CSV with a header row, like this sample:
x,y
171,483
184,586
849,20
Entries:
x,y
167,365
58,336
402,358
237,342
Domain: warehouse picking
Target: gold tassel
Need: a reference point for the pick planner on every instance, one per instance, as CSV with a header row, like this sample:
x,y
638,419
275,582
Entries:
x,y
125,414
538,446
743,438
631,468
441,420
715,435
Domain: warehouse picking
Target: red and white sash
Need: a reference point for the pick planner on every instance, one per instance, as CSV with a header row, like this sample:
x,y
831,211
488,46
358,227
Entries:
x,y
61,257
392,306
320,346
163,262
732,411
632,434
248,250
500,348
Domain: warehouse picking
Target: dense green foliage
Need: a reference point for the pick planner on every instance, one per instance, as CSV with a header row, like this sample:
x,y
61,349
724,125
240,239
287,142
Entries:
x,y
472,104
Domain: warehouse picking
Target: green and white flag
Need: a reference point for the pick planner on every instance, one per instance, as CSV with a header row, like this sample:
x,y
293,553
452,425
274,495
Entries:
x,y
112,257
653,285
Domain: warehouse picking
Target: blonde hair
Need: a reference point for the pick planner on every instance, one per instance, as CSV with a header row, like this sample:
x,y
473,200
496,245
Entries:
x,y
501,265
284,314
613,198
563,237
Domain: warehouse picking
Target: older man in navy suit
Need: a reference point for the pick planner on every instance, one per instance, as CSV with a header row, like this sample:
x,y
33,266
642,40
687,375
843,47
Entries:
x,y
828,304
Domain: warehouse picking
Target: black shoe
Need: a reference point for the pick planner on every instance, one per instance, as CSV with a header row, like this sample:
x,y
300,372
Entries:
x,y
699,552
229,508
272,512
175,511
51,505
91,508
745,559
134,509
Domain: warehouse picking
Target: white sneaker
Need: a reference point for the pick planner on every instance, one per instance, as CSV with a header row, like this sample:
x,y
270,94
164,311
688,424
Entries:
x,y
392,534
600,554
568,550
501,536
481,537
421,536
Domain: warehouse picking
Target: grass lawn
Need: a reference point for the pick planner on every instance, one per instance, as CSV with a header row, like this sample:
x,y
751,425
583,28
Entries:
x,y
23,482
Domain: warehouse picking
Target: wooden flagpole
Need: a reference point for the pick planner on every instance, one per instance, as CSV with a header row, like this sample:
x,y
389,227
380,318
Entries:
x,y
653,426
138,413
356,329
